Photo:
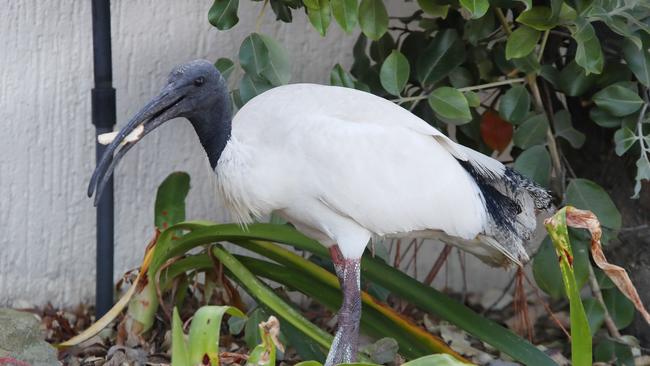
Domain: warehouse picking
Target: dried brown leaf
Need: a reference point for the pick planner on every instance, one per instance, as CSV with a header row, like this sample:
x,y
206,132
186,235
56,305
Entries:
x,y
584,219
272,328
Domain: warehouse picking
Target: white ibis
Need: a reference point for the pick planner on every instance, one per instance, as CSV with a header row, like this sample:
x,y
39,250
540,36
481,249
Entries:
x,y
342,166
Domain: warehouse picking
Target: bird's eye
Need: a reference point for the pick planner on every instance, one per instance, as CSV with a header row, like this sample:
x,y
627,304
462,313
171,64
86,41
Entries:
x,y
199,81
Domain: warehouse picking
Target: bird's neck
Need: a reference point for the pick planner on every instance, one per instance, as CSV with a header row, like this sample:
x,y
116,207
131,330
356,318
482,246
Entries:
x,y
214,127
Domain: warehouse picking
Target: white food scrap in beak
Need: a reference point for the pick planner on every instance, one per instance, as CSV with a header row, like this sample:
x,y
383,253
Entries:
x,y
107,138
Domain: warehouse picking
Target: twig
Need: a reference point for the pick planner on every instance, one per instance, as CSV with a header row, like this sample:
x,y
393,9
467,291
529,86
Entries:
x,y
546,307
503,294
550,139
467,88
595,291
461,261
397,254
258,21
437,265
520,303
541,48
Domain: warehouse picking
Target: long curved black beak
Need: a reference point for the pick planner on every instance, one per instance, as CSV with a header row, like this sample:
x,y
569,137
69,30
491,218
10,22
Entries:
x,y
160,109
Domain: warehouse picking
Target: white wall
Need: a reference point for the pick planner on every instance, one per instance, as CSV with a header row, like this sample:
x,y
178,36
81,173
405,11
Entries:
x,y
47,236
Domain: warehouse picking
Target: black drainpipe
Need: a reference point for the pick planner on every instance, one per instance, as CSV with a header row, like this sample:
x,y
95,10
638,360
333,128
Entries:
x,y
103,117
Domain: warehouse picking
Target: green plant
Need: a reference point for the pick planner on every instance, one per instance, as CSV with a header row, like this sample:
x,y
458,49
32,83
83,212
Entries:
x,y
202,345
172,258
551,83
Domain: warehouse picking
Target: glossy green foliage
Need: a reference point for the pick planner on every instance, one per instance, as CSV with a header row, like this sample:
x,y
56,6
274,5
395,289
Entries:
x,y
203,341
170,200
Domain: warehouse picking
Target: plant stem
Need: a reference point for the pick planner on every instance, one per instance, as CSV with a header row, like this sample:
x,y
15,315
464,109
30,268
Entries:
x,y
503,21
492,85
550,139
467,88
260,16
543,45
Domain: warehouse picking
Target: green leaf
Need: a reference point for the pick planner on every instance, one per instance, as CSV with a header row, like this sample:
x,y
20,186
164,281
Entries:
x,y
587,195
521,42
374,270
595,314
564,129
619,307
223,14
613,353
450,105
580,332
531,132
603,280
506,67
642,173
550,74
263,294
460,77
236,325
253,54
538,17
434,8
614,72
445,52
618,100
282,11
437,360
205,331
547,270
624,138
382,48
306,349
373,18
278,68
477,8
252,86
528,64
528,3
180,353
361,63
340,77
535,163
252,336
574,81
473,99
394,72
638,59
514,104
318,12
604,119
345,13
479,29
225,67
588,53
170,200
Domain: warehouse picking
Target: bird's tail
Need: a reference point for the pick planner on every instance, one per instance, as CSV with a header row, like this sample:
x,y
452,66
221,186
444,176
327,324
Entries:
x,y
512,202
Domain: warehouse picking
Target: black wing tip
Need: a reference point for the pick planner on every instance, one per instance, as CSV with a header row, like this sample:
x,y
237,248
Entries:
x,y
542,197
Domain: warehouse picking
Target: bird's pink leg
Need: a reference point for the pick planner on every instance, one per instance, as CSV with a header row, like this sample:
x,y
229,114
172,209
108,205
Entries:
x,y
345,344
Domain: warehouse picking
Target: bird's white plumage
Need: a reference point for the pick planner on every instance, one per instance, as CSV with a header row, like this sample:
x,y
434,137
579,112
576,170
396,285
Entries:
x,y
344,165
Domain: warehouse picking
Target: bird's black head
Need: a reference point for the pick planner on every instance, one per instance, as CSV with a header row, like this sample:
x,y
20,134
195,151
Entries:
x,y
196,91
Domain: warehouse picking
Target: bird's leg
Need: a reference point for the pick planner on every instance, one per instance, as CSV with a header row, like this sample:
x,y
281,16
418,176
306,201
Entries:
x,y
344,346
